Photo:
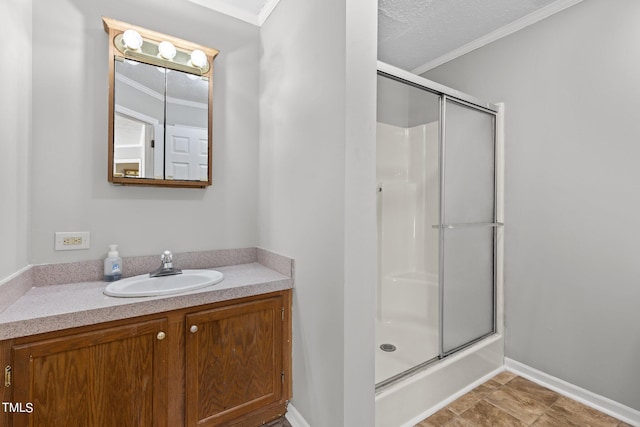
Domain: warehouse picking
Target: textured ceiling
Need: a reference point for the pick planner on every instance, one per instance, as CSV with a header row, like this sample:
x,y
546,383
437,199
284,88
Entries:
x,y
415,33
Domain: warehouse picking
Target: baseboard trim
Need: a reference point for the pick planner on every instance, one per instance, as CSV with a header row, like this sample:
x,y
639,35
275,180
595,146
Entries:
x,y
295,418
593,400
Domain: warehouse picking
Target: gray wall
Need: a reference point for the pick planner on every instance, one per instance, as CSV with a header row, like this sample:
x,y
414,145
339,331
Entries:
x,y
70,191
405,106
571,84
317,198
15,130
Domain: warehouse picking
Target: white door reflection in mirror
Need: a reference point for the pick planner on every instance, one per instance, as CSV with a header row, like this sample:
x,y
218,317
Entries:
x,y
186,153
186,127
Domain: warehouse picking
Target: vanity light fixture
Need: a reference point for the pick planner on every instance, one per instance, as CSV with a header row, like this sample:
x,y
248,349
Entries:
x,y
153,48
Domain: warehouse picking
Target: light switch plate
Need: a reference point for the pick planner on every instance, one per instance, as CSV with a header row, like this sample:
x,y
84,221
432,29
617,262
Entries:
x,y
72,240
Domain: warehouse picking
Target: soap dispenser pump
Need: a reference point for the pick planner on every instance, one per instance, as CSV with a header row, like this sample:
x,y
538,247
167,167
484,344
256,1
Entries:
x,y
112,265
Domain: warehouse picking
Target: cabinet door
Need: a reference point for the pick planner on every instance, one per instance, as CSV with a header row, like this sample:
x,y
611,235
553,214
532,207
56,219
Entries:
x,y
234,361
111,377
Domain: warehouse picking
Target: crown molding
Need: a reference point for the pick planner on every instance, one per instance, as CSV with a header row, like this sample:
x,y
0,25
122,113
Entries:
x,y
268,7
158,96
228,8
501,32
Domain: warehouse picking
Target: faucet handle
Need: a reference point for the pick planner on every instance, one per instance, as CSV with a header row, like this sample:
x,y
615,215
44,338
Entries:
x,y
166,268
166,257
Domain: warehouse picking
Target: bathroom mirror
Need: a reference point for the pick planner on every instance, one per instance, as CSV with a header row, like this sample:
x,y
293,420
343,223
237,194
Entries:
x,y
160,103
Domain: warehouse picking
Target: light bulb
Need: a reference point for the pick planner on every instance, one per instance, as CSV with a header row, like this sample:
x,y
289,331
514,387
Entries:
x,y
198,59
167,50
132,39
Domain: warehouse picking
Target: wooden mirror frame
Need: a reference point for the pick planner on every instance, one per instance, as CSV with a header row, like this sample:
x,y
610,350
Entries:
x,y
115,28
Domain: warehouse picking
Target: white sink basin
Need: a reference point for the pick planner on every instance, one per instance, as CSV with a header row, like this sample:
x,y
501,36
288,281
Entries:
x,y
145,286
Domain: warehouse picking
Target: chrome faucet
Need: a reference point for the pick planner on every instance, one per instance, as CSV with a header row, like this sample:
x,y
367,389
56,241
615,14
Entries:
x,y
167,268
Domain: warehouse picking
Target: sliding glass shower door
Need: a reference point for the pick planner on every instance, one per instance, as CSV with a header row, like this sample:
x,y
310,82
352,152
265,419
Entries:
x,y
467,226
407,333
436,209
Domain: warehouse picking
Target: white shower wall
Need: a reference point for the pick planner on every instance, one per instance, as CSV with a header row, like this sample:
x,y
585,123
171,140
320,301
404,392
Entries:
x,y
407,172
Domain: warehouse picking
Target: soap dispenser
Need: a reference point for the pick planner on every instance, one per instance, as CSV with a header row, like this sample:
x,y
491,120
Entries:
x,y
112,265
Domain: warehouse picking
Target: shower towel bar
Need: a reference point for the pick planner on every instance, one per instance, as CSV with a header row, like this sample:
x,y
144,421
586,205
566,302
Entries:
x,y
469,224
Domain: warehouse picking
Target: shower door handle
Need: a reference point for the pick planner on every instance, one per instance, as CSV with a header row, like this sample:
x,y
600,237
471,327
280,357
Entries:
x,y
469,224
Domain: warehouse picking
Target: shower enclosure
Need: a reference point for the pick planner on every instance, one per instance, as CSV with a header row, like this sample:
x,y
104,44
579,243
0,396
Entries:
x,y
439,221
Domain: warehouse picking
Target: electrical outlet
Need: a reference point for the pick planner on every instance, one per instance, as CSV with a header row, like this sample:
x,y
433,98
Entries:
x,y
75,241
72,240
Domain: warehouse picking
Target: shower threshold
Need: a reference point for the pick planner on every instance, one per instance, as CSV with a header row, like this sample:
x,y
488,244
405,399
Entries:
x,y
382,385
412,396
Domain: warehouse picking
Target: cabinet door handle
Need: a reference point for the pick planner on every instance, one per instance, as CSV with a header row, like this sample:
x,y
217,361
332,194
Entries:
x,y
7,375
161,335
193,329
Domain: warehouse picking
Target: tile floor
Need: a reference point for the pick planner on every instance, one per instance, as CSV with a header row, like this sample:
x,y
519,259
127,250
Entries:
x,y
280,422
510,400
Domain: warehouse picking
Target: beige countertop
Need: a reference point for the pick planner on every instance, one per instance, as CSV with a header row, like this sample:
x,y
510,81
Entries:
x,y
51,308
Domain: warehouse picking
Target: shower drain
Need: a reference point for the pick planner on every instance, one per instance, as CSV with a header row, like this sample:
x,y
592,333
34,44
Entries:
x,y
388,347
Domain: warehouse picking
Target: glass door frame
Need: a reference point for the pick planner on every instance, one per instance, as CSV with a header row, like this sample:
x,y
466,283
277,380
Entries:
x,y
444,99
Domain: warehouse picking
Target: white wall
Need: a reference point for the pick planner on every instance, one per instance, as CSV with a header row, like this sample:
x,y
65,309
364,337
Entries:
x,y
360,212
69,167
571,85
317,196
15,145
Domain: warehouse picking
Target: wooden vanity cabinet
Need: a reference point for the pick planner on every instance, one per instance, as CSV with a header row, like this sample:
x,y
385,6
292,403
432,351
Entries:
x,y
115,376
234,363
222,364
